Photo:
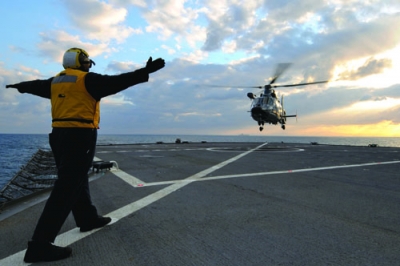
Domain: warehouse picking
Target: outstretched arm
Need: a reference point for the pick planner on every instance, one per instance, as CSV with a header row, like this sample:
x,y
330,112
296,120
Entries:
x,y
39,87
100,86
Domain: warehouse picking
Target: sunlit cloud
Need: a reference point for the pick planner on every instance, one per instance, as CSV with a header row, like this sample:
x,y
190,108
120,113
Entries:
x,y
381,71
372,106
372,66
195,114
99,21
54,43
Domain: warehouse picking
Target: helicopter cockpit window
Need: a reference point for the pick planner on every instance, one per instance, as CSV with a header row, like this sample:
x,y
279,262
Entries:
x,y
259,102
268,103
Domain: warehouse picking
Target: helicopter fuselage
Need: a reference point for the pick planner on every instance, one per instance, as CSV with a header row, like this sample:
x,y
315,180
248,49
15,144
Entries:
x,y
267,109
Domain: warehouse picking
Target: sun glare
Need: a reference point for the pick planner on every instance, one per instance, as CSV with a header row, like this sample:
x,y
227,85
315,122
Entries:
x,y
371,106
382,129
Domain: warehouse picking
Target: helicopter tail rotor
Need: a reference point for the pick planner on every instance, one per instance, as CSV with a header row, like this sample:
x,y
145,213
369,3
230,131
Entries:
x,y
294,116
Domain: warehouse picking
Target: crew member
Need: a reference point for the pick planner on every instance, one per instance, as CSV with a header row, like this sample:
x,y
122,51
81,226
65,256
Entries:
x,y
75,95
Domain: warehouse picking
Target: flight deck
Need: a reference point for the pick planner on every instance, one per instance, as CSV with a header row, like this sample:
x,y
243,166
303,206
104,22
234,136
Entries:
x,y
230,204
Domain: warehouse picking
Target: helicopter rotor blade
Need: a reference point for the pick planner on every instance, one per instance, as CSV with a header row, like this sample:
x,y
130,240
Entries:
x,y
279,70
224,86
300,84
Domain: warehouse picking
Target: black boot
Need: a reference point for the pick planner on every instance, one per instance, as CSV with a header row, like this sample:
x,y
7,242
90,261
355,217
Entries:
x,y
99,222
45,251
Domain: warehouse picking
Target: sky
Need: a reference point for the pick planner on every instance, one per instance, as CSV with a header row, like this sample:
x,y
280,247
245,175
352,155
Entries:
x,y
355,44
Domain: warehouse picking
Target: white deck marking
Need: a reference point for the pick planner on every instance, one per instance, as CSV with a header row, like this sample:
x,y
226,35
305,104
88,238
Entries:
x,y
130,179
74,235
138,183
293,171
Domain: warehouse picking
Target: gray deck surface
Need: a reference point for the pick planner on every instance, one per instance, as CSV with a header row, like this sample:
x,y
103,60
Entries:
x,y
232,204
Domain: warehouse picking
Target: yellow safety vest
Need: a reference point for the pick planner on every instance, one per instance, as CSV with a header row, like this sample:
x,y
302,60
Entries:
x,y
71,104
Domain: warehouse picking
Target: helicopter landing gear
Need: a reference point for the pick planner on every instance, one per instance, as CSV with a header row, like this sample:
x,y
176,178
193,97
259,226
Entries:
x,y
283,127
261,124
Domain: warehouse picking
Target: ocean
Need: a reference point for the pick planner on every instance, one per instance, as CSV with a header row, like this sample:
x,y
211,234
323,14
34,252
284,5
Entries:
x,y
17,149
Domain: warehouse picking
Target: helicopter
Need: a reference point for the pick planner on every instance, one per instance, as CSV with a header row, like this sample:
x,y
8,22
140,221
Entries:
x,y
267,108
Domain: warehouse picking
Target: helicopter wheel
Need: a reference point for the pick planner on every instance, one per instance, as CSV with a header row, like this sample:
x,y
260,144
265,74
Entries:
x,y
261,128
283,127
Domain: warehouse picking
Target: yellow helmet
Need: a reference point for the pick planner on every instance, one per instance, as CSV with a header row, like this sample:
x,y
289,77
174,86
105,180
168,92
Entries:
x,y
74,57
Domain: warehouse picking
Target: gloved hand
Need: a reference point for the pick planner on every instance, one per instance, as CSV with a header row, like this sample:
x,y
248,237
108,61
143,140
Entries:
x,y
16,86
12,86
153,66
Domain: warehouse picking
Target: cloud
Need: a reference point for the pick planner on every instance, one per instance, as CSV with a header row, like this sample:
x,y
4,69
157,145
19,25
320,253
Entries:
x,y
361,39
117,100
98,20
138,3
172,17
122,67
168,49
370,67
53,44
281,35
21,113
228,21
354,112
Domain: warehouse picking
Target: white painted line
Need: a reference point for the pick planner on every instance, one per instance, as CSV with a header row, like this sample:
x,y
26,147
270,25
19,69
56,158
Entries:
x,y
16,259
228,149
130,179
294,171
267,173
74,235
64,239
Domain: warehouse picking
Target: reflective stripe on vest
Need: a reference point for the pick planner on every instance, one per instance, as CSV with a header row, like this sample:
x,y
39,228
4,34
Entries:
x,y
64,78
